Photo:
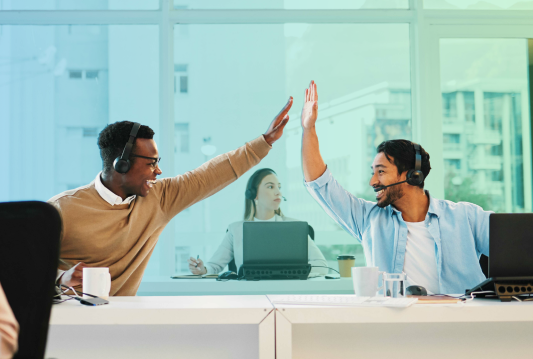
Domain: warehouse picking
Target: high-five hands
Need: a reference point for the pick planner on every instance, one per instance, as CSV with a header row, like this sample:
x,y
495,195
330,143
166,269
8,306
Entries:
x,y
275,130
310,109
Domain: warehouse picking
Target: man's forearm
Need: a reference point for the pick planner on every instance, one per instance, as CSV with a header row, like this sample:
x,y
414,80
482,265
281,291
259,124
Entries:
x,y
313,164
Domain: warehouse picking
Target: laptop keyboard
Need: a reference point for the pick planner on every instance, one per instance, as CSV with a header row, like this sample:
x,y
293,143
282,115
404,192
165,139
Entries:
x,y
343,301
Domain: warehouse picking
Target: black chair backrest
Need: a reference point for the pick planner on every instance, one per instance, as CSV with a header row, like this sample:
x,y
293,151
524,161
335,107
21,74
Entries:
x,y
484,264
29,255
232,266
311,232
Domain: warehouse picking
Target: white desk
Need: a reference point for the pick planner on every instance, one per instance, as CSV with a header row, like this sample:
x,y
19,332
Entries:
x,y
478,329
164,327
162,286
250,327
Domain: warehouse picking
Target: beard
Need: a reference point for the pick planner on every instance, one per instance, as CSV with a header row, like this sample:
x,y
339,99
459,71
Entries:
x,y
390,196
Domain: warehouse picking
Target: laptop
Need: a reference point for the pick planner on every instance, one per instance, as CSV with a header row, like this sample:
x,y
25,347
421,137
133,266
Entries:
x,y
511,246
275,250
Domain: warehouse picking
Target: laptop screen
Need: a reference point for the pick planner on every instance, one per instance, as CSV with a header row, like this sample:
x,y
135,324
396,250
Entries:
x,y
511,245
275,242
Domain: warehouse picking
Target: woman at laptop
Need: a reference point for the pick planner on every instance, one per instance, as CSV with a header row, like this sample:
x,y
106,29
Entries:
x,y
262,203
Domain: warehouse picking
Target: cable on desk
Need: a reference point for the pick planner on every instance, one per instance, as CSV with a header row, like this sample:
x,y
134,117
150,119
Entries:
x,y
327,277
326,267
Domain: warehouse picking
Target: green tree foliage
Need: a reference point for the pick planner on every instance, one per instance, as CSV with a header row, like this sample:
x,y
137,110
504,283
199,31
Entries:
x,y
464,192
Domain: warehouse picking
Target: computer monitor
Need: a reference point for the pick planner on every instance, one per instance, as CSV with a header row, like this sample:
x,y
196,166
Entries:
x,y
276,249
510,249
511,245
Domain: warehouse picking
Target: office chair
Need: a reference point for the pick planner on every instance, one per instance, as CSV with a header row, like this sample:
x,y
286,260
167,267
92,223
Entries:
x,y
29,255
484,264
311,232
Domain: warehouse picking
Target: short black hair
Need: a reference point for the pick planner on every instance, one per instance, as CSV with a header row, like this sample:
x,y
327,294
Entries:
x,y
114,137
404,155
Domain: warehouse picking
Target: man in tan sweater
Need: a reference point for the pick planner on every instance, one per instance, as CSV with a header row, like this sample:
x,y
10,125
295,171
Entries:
x,y
115,220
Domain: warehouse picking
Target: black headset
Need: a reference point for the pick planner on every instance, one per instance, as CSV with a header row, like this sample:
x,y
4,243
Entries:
x,y
416,177
122,163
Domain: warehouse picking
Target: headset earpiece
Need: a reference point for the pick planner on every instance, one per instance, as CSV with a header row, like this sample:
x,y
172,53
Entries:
x,y
122,163
121,166
416,177
250,193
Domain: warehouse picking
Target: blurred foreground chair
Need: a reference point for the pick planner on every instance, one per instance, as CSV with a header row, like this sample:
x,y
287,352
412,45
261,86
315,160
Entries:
x,y
29,255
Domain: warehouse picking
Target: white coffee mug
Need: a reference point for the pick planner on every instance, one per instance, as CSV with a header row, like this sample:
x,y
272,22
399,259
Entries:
x,y
97,281
365,281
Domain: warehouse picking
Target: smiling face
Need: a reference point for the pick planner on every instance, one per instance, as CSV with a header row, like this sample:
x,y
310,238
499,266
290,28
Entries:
x,y
385,173
143,172
269,193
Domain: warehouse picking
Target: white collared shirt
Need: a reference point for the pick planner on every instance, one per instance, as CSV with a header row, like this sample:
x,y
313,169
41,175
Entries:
x,y
109,196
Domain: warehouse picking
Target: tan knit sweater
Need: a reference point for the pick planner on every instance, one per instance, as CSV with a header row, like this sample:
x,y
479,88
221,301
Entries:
x,y
123,237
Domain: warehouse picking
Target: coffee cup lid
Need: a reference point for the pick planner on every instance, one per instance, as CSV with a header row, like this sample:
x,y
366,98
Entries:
x,y
343,257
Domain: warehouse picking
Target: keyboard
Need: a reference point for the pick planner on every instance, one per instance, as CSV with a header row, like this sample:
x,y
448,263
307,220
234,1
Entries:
x,y
344,301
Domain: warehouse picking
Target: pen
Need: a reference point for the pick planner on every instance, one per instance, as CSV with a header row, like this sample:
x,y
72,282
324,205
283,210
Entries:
x,y
198,256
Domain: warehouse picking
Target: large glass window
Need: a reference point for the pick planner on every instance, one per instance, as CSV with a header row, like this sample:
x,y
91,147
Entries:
x,y
230,81
60,86
486,122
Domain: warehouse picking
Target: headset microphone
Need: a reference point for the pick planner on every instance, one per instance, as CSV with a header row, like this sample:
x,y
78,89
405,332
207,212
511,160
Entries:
x,y
284,198
383,187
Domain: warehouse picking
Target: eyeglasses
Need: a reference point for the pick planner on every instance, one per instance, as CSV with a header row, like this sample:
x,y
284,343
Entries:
x,y
154,164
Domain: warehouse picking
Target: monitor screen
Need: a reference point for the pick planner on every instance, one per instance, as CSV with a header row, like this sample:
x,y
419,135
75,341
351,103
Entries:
x,y
511,245
275,242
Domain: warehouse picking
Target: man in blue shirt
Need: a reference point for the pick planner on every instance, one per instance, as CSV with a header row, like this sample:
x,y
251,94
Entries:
x,y
437,243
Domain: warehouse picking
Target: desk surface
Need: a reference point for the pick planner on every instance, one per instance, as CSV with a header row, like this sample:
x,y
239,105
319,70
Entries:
x,y
478,310
165,310
253,309
162,286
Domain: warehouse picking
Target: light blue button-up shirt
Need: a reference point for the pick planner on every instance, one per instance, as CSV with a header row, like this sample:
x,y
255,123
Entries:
x,y
460,231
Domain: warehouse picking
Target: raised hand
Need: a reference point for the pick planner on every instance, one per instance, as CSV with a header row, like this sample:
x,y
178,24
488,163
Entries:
x,y
310,109
275,130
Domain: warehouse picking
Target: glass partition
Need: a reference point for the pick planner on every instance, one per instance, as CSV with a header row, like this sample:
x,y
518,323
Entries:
x,y
231,80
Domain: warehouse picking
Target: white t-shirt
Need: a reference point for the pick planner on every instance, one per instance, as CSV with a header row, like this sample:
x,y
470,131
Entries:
x,y
420,262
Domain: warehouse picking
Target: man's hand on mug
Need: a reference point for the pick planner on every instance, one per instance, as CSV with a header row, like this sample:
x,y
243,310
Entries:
x,y
74,276
196,266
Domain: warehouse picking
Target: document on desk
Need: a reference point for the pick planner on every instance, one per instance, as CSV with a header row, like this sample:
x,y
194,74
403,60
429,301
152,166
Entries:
x,y
194,276
343,301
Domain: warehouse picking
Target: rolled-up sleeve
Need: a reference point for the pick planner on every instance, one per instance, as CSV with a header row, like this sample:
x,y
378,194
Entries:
x,y
479,221
346,209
